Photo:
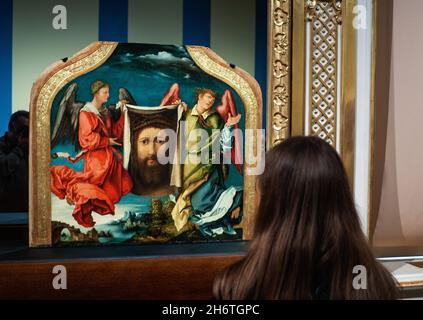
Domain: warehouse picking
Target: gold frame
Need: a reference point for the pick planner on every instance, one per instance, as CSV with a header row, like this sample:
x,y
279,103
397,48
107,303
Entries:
x,y
371,216
56,76
294,15
278,72
348,89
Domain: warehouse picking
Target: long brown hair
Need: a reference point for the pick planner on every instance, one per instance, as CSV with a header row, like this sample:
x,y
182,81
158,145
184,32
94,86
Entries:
x,y
307,235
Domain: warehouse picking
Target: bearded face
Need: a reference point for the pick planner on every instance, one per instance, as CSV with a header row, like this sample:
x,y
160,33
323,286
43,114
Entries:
x,y
144,168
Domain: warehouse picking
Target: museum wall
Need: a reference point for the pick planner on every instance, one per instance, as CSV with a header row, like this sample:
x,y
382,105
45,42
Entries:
x,y
30,43
399,110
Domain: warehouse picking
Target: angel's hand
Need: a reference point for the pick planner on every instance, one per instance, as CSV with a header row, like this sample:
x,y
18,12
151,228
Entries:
x,y
180,102
122,105
185,106
62,154
233,120
113,142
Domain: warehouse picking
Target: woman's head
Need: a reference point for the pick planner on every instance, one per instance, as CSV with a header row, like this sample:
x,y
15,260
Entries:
x,y
304,182
307,234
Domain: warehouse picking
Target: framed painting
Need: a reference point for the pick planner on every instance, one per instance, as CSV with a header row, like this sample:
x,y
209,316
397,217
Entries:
x,y
141,143
298,102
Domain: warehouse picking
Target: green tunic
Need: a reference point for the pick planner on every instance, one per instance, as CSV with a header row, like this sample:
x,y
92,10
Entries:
x,y
194,168
205,200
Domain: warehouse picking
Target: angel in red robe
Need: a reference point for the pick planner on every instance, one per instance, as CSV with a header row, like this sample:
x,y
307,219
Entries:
x,y
103,180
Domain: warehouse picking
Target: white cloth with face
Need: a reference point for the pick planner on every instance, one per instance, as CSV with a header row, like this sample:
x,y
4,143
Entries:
x,y
176,174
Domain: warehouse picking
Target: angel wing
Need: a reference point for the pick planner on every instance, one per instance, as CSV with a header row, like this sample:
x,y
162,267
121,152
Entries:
x,y
171,96
228,106
124,94
66,124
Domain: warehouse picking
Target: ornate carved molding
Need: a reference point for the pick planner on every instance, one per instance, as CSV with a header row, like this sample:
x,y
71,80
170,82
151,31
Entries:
x,y
279,74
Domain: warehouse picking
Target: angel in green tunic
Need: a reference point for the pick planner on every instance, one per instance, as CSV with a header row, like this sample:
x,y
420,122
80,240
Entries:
x,y
205,200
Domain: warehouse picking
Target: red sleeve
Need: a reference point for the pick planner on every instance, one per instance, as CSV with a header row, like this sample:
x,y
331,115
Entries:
x,y
118,127
88,138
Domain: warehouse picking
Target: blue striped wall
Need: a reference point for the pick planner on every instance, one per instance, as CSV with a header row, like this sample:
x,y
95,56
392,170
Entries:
x,y
197,22
113,20
6,30
28,43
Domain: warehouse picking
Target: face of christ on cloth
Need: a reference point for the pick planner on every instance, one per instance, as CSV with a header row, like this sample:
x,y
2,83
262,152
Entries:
x,y
149,176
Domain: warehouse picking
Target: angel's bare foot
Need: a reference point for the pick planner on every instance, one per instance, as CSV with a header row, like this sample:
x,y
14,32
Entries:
x,y
69,201
235,213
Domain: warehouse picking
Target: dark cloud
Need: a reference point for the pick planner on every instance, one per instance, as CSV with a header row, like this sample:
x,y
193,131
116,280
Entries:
x,y
164,61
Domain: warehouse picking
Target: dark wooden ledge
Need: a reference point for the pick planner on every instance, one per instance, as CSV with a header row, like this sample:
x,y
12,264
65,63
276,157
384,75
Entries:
x,y
178,271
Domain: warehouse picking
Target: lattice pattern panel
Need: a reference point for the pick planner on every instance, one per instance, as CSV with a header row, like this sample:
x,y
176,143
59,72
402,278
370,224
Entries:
x,y
324,18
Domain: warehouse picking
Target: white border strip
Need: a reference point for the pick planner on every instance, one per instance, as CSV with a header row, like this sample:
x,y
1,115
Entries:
x,y
363,96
